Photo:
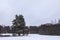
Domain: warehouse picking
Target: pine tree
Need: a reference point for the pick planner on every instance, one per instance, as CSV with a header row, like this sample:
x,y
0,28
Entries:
x,y
18,23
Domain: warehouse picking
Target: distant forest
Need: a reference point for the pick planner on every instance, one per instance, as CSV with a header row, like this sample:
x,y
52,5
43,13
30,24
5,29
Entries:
x,y
19,27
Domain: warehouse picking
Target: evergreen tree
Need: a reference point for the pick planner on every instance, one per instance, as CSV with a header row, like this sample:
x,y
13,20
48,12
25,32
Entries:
x,y
18,23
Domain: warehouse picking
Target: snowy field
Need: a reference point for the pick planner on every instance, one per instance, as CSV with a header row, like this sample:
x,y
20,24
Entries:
x,y
32,37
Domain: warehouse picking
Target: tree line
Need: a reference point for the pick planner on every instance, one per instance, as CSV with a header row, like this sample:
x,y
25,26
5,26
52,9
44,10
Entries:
x,y
19,27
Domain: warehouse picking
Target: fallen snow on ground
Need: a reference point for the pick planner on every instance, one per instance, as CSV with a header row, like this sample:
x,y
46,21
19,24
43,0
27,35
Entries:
x,y
32,37
6,34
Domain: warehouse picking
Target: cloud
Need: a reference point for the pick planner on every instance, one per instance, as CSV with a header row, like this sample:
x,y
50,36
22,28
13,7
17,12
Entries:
x,y
35,11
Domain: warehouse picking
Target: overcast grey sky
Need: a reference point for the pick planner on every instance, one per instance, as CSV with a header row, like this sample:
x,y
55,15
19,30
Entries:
x,y
35,12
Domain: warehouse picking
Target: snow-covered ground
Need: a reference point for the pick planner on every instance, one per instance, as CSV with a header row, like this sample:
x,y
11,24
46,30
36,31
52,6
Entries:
x,y
32,37
6,34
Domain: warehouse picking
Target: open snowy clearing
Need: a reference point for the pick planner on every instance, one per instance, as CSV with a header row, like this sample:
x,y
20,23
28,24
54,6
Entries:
x,y
32,37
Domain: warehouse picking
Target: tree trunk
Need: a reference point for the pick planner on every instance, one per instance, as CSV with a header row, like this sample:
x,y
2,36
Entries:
x,y
18,34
